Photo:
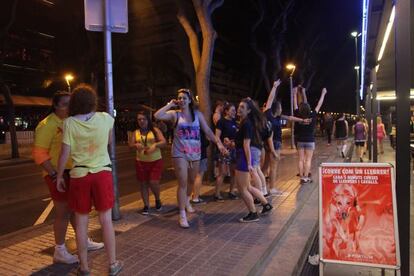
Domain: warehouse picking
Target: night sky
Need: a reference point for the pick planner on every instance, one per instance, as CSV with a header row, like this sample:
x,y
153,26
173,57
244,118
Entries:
x,y
316,38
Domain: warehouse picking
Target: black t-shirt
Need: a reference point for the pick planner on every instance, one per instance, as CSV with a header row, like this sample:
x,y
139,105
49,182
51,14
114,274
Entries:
x,y
228,128
304,132
204,145
276,125
246,131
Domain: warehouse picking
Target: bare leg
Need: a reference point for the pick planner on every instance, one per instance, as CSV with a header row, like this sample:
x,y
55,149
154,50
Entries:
x,y
220,177
243,181
60,225
274,165
145,193
105,218
197,185
82,239
181,171
301,162
308,161
155,188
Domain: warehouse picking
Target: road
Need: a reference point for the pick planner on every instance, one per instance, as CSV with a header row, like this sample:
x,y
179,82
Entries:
x,y
25,196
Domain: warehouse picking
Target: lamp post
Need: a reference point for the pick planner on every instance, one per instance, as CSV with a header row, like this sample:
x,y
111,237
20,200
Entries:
x,y
355,35
292,68
69,78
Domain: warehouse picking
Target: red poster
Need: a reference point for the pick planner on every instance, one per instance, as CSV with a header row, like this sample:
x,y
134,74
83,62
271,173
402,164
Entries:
x,y
357,214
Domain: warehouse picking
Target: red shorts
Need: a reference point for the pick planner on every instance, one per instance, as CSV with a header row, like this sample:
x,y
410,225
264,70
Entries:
x,y
149,171
54,193
94,187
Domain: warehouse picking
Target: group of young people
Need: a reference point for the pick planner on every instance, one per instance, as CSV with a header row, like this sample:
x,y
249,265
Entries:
x,y
71,145
341,131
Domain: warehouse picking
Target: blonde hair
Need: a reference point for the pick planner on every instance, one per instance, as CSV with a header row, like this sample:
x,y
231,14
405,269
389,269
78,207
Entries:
x,y
379,120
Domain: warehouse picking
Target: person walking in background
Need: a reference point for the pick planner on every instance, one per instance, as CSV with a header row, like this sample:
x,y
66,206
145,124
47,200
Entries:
x,y
46,150
360,136
186,148
381,134
148,141
340,131
306,135
328,123
86,135
249,134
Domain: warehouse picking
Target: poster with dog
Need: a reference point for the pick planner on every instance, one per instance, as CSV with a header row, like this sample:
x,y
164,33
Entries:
x,y
357,216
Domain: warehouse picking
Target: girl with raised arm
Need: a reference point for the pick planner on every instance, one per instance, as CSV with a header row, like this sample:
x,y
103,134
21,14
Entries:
x,y
186,148
273,113
306,136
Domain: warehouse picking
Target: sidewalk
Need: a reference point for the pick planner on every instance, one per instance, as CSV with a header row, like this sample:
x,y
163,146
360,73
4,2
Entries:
x,y
216,243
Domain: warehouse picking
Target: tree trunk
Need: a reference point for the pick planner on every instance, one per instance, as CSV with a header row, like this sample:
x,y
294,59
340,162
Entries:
x,y
10,119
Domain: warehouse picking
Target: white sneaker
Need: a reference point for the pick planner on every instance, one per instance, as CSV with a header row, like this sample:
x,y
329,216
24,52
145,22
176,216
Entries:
x,y
189,208
62,255
276,192
92,246
183,222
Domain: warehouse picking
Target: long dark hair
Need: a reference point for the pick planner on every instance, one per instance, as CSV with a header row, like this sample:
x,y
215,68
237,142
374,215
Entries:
x,y
256,117
147,116
56,99
192,105
304,110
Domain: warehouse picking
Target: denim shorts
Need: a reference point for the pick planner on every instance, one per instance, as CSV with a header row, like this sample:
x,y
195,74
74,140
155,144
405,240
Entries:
x,y
306,145
277,145
256,154
202,168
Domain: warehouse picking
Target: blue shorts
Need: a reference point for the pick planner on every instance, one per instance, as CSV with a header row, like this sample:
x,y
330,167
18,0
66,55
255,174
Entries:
x,y
241,161
306,145
256,154
277,145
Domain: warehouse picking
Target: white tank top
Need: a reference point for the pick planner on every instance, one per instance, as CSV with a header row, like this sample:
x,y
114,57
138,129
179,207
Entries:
x,y
187,141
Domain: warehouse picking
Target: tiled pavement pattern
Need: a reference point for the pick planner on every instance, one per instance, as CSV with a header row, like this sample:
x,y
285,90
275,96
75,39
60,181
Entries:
x,y
216,243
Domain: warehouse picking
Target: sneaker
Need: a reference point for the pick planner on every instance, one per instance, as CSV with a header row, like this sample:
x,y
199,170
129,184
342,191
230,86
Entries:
x,y
92,246
275,192
267,209
251,217
61,255
257,202
158,205
183,222
190,208
145,211
197,201
115,268
233,196
219,198
302,180
267,195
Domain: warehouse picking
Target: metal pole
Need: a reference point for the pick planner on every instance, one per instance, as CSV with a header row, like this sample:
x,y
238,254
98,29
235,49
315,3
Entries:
x,y
357,101
368,117
116,215
374,116
403,32
292,134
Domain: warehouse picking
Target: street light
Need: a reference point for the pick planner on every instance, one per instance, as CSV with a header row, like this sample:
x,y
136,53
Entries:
x,y
69,78
291,67
355,35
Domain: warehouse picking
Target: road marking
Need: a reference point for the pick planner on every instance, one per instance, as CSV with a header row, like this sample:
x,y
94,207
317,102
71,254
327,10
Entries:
x,y
45,214
18,176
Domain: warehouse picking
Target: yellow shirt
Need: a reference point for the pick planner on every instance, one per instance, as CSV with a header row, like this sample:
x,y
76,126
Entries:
x,y
88,143
48,141
147,141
